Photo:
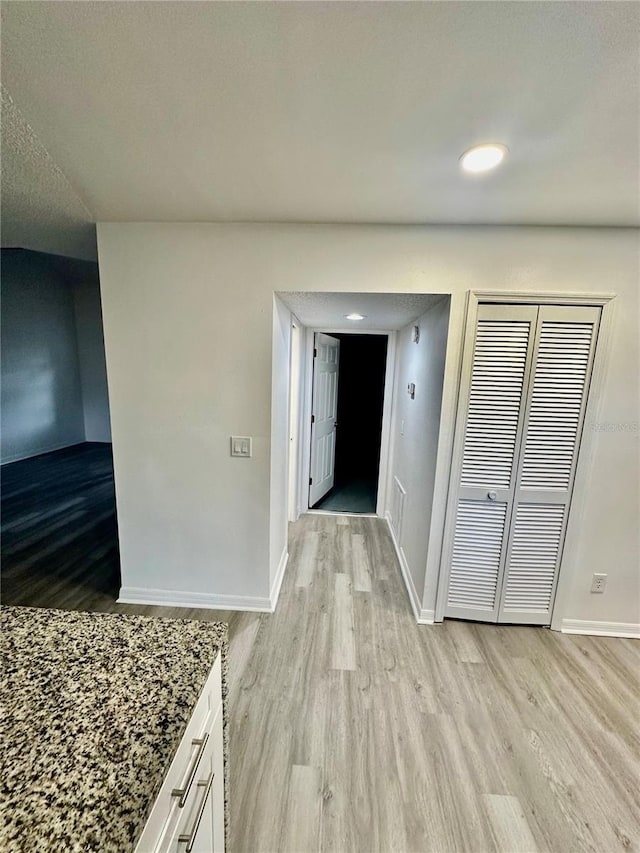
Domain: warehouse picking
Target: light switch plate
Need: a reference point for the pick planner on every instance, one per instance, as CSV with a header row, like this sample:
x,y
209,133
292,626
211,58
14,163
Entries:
x,y
241,445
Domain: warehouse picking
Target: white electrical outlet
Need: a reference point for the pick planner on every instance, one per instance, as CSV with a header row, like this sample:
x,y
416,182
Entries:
x,y
598,583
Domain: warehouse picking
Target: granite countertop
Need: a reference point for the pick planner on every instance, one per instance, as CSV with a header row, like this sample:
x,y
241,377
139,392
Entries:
x,y
93,708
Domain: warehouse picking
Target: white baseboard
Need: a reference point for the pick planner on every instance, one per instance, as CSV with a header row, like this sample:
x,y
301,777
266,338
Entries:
x,y
631,630
277,581
423,617
173,598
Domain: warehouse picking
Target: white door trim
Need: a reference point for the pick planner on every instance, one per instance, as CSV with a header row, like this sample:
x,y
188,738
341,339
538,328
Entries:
x,y
455,425
295,390
306,401
444,453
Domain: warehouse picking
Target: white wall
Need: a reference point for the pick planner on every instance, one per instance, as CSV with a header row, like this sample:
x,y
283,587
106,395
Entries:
x,y
188,349
416,426
41,391
93,368
188,329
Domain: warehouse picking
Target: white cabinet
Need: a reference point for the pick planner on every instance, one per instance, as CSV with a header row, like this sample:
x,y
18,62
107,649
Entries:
x,y
188,814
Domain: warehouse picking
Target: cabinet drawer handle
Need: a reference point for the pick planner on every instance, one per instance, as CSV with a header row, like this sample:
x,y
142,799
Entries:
x,y
183,793
190,837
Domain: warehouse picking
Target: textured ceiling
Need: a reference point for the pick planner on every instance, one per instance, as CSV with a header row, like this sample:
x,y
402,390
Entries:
x,y
321,112
384,311
40,208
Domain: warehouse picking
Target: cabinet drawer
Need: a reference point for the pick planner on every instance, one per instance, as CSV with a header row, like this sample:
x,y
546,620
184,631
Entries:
x,y
182,791
199,826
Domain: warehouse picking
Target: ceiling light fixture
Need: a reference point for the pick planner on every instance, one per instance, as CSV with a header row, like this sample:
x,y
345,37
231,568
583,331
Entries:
x,y
355,316
482,158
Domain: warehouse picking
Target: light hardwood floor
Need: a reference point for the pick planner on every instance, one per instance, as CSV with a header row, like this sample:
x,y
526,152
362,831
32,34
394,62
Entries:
x,y
354,729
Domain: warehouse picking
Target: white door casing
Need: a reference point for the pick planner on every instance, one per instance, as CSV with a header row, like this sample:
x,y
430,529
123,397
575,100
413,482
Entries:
x,y
324,412
294,421
385,486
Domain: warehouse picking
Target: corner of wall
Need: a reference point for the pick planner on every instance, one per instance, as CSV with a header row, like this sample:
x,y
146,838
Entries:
x,y
276,586
423,617
279,442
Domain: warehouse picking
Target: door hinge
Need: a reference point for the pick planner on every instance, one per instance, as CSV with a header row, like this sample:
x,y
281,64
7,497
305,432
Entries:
x,y
313,419
315,352
311,481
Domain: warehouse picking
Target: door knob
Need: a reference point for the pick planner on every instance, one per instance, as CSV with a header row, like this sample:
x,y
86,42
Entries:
x,y
492,495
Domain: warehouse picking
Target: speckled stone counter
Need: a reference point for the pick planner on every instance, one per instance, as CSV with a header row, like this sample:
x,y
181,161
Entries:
x,y
93,708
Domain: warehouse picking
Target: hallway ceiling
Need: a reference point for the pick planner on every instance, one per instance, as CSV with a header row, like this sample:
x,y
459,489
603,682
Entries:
x,y
316,112
384,311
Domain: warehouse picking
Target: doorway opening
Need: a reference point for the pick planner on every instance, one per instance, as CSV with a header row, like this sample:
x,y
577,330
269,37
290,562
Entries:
x,y
409,451
58,504
346,433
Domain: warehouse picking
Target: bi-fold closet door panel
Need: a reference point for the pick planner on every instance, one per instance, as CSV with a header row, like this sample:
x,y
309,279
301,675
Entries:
x,y
525,391
563,352
494,390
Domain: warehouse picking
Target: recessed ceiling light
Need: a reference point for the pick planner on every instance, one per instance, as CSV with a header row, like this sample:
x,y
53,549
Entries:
x,y
355,316
482,158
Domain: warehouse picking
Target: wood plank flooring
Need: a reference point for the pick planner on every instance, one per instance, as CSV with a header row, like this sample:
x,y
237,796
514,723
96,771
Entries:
x,y
353,728
59,527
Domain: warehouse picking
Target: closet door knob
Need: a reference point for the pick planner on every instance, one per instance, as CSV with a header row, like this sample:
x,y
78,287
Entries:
x,y
492,495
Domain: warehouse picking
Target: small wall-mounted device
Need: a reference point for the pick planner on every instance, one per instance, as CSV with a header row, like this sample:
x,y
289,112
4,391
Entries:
x,y
411,390
416,334
241,445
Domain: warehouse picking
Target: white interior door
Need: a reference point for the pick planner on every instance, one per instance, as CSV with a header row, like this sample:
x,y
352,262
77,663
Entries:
x,y
324,410
525,401
562,364
494,394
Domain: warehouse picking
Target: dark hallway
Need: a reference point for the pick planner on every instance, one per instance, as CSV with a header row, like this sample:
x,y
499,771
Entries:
x,y
360,403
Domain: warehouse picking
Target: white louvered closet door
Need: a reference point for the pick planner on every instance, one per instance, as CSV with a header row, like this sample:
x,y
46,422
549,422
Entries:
x,y
563,354
526,388
494,387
